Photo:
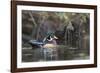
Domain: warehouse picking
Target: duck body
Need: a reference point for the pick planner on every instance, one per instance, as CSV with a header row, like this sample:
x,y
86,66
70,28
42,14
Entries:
x,y
48,41
36,44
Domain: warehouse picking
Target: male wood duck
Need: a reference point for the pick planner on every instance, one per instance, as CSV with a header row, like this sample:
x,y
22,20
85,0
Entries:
x,y
47,47
48,41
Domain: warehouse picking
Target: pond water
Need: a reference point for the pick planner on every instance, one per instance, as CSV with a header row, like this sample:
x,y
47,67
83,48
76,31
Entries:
x,y
51,54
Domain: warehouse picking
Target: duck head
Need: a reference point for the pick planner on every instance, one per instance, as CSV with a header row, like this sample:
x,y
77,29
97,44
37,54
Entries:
x,y
50,41
50,37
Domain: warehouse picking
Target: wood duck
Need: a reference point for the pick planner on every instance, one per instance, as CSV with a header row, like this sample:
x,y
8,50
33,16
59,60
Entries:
x,y
48,41
47,47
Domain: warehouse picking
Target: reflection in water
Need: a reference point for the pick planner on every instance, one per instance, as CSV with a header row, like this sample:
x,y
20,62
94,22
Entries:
x,y
50,54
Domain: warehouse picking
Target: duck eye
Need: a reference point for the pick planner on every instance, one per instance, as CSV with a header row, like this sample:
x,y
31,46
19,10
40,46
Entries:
x,y
48,37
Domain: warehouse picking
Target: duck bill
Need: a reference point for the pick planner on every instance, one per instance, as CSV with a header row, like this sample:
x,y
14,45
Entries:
x,y
55,37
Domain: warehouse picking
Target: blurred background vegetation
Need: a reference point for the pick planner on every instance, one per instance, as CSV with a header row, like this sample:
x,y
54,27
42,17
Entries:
x,y
73,44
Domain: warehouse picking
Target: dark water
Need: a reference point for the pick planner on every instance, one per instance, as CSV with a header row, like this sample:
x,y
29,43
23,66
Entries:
x,y
41,54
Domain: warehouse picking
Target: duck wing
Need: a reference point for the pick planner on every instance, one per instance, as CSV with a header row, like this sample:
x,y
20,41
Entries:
x,y
35,43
